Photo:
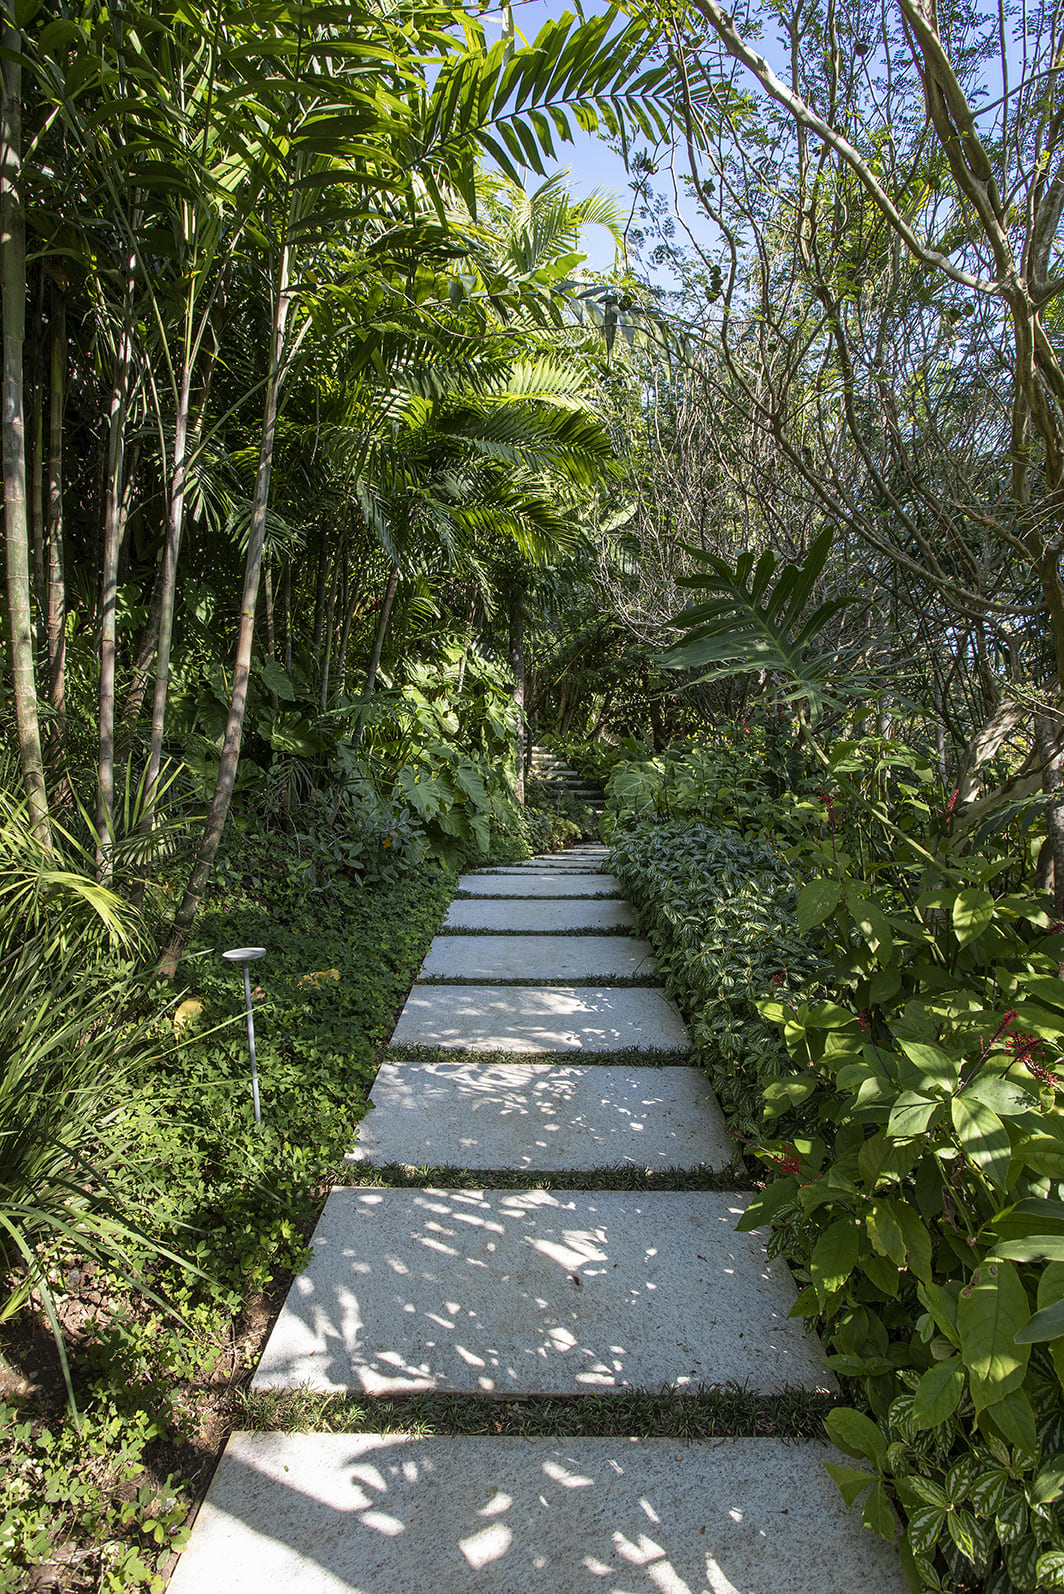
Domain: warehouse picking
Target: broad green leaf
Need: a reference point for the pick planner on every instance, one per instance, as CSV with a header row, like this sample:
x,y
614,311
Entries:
x,y
816,901
1014,1417
1044,1325
938,1393
1050,1289
871,924
991,1310
763,1208
783,1094
856,1435
983,1137
1002,1096
912,1115
1049,1484
1035,1248
942,1305
877,1514
851,1482
834,1256
939,1073
885,1233
972,912
917,1240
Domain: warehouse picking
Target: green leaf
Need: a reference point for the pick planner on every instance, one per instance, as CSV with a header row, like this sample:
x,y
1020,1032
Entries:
x,y
939,1073
877,1514
969,1537
870,922
1014,1418
983,1137
856,1435
990,1312
783,1094
911,1115
1035,1248
1049,1484
925,1523
1003,1096
763,1208
1050,1570
1044,1325
1050,1289
851,1482
972,912
816,901
938,1393
834,1256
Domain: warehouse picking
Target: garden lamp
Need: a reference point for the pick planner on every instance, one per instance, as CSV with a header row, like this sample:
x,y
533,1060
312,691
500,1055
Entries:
x,y
246,955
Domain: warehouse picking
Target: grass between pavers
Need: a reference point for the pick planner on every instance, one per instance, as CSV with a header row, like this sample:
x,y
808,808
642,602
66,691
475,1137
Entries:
x,y
585,929
525,896
406,1176
707,1412
645,982
628,1057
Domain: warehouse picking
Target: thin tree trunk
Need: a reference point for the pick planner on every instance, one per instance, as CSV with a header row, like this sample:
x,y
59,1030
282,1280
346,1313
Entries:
x,y
149,641
1049,737
345,636
286,600
267,598
56,579
115,508
175,520
517,665
40,588
330,631
16,528
375,652
319,594
230,759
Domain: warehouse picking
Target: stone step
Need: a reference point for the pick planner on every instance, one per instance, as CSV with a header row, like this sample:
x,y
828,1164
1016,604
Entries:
x,y
484,958
542,1118
539,883
533,1018
537,1292
564,915
565,865
316,1513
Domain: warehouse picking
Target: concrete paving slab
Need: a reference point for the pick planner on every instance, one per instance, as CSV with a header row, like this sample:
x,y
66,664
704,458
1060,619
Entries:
x,y
542,917
540,1018
316,1513
537,1292
540,883
572,958
542,1117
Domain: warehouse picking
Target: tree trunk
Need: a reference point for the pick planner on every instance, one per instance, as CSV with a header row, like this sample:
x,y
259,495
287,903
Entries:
x,y
286,600
40,587
517,665
175,520
1049,737
115,507
230,759
319,593
375,652
56,579
267,599
330,632
16,528
345,636
149,641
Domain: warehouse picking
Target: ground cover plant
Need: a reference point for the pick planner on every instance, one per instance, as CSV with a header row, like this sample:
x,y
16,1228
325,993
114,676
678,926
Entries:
x,y
101,1504
888,1042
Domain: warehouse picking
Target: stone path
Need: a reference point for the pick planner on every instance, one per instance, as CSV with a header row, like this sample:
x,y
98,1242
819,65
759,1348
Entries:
x,y
553,1023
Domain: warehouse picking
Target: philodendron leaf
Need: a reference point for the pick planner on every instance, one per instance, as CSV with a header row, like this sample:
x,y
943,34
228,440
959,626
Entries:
x,y
816,901
938,1393
991,1310
983,1137
972,912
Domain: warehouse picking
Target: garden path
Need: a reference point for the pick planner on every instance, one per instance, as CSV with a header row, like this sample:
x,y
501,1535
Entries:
x,y
519,1290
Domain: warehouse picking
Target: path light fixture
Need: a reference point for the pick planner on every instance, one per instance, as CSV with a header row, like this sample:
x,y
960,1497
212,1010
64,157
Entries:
x,y
246,955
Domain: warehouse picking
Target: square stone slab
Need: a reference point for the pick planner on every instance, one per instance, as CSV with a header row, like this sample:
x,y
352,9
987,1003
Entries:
x,y
523,917
543,883
542,866
315,1513
537,1292
538,957
540,1018
542,1118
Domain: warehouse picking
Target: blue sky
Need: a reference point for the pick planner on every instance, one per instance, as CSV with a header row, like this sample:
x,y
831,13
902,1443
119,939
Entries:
x,y
591,164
